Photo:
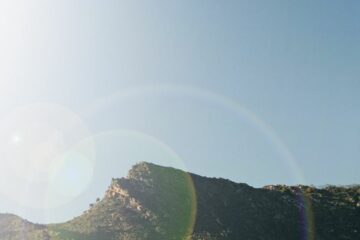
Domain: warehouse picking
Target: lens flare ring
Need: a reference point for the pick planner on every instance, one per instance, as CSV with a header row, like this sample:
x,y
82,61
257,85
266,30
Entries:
x,y
240,110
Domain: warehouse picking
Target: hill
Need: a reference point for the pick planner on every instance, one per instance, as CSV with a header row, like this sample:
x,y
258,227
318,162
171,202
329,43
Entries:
x,y
155,202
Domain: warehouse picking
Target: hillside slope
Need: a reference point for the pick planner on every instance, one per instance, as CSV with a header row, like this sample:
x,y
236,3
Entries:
x,y
155,202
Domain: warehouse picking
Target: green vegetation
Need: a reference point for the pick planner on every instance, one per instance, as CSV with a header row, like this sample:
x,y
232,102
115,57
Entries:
x,y
155,202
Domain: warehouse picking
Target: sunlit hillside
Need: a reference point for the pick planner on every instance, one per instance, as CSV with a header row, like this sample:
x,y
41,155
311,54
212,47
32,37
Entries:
x,y
155,202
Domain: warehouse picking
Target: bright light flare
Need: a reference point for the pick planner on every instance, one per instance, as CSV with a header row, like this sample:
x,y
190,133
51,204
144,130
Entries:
x,y
43,154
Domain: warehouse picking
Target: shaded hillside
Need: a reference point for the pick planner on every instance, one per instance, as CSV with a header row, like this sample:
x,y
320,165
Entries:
x,y
155,202
13,227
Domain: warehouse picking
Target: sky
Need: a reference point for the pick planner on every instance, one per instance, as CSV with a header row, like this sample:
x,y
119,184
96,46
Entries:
x,y
253,91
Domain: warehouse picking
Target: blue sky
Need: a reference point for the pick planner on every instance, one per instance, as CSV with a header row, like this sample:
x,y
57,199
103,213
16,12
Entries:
x,y
255,91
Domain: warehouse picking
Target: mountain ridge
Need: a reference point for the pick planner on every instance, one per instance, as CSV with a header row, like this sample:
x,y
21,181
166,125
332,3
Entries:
x,y
155,202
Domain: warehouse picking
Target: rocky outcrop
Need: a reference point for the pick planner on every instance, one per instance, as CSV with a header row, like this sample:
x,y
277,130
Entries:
x,y
154,202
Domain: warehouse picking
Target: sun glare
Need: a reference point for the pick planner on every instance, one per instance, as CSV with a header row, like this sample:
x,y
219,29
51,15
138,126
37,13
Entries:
x,y
16,139
41,146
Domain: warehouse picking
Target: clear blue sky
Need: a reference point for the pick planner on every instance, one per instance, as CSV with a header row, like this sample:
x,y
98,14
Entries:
x,y
260,92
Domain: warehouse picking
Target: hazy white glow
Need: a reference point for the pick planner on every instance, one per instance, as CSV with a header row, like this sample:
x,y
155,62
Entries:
x,y
13,32
16,139
41,153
